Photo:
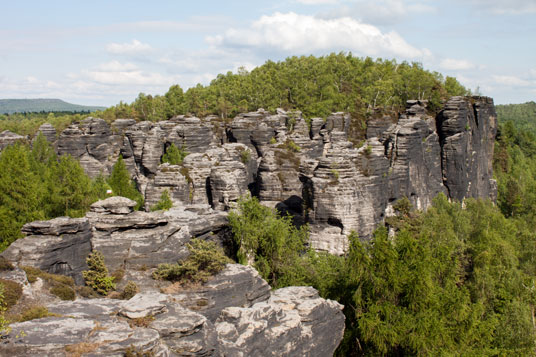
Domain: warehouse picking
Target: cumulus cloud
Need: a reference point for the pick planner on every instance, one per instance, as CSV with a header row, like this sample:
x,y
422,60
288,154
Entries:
x,y
511,81
455,64
317,2
117,66
303,34
116,73
512,7
380,12
131,48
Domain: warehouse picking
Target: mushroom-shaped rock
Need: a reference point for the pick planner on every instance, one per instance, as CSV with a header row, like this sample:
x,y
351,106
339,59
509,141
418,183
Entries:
x,y
114,205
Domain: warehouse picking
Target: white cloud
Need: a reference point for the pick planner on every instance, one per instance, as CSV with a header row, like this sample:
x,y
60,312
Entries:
x,y
301,34
533,73
130,77
380,12
512,7
117,66
132,48
455,64
511,81
317,2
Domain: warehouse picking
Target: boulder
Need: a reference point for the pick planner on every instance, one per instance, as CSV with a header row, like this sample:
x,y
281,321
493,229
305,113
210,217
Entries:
x,y
58,246
9,138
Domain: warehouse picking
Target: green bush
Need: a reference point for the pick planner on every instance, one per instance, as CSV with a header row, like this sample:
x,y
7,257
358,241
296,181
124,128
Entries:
x,y
4,324
164,203
174,155
123,185
97,276
12,292
63,291
35,312
205,260
62,286
270,242
5,264
245,156
129,291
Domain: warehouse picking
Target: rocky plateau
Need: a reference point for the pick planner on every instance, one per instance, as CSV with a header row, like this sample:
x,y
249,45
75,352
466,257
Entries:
x,y
337,175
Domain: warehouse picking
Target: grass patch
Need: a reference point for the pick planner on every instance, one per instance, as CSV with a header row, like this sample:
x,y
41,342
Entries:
x,y
12,292
79,349
129,291
141,321
35,312
5,264
205,260
60,285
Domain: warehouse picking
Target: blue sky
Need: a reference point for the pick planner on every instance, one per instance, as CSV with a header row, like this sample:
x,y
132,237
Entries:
x,y
101,52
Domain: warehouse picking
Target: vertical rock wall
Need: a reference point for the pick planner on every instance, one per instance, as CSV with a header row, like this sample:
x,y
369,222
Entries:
x,y
309,168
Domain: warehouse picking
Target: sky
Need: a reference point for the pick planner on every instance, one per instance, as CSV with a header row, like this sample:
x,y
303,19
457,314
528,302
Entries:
x,y
103,52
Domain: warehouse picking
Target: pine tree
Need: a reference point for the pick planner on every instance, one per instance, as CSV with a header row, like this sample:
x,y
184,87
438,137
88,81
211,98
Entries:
x,y
19,193
122,185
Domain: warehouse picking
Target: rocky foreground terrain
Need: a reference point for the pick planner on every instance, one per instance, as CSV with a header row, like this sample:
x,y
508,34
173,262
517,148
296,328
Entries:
x,y
233,314
337,174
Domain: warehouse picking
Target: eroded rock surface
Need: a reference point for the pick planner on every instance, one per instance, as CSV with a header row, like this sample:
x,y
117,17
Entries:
x,y
58,246
287,322
320,171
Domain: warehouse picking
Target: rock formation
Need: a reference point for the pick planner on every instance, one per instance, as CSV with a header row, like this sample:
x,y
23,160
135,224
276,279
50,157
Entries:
x,y
328,173
317,170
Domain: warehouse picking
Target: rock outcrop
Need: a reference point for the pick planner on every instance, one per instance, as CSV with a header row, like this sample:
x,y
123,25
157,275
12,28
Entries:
x,y
9,138
58,246
318,170
288,322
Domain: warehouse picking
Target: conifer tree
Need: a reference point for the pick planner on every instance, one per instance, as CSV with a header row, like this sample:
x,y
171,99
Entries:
x,y
19,193
122,184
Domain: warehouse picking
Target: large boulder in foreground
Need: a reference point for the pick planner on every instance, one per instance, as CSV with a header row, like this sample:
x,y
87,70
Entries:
x,y
292,321
58,246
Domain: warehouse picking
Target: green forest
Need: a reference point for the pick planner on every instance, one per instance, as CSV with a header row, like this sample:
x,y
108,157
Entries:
x,y
454,280
317,86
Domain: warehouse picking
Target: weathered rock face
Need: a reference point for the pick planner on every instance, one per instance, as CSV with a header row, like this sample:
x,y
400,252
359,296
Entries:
x,y
294,316
135,240
58,246
311,169
467,131
9,138
287,322
48,131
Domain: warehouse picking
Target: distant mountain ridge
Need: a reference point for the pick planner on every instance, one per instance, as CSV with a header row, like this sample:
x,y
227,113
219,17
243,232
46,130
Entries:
x,y
10,106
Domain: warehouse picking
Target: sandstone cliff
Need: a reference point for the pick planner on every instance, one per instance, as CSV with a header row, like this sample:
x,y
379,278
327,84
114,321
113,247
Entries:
x,y
234,314
311,169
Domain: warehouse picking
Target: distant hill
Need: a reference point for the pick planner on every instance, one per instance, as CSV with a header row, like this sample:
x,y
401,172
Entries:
x,y
10,106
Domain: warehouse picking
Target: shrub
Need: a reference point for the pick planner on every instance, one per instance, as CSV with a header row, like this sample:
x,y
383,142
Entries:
x,y
118,275
164,203
133,351
129,291
245,156
122,185
35,312
12,292
97,276
4,327
205,260
270,242
174,155
87,292
63,291
62,286
5,264
292,146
